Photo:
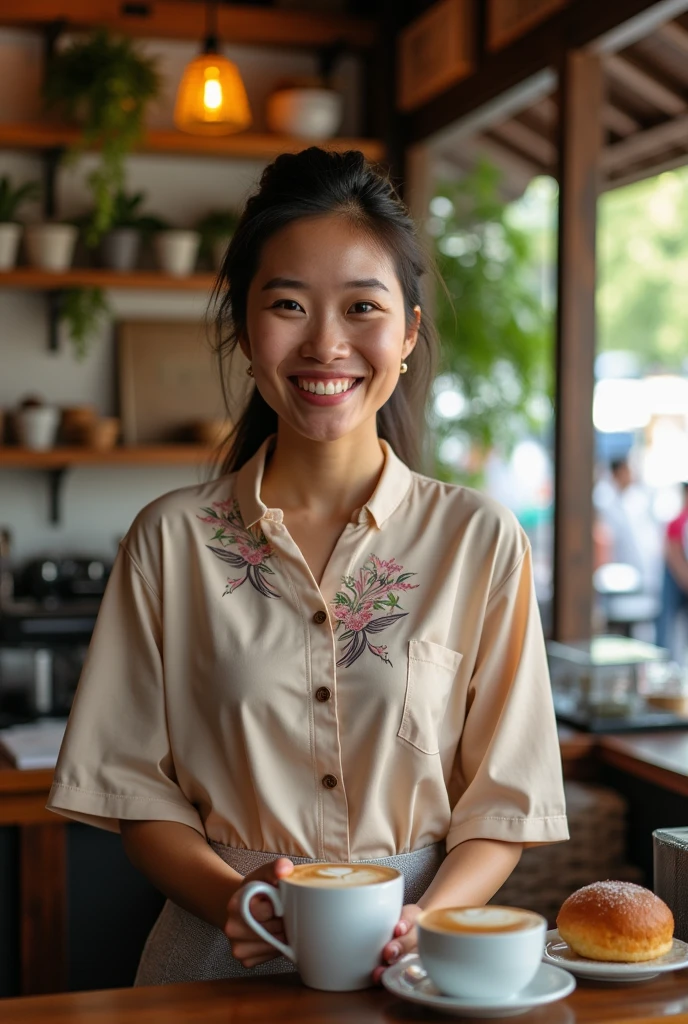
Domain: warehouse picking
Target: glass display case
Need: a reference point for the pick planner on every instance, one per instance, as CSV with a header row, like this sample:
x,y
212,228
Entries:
x,y
604,684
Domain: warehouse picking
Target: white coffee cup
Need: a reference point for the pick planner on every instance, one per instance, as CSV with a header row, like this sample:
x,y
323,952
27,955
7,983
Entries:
x,y
337,917
483,953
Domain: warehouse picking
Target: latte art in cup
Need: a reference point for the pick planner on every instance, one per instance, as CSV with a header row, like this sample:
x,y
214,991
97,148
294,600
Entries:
x,y
339,876
481,920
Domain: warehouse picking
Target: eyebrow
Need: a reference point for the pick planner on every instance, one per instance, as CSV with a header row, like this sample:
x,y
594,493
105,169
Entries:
x,y
289,282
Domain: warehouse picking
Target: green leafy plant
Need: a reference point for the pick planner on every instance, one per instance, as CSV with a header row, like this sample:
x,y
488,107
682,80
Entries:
x,y
105,84
215,225
495,329
12,198
125,214
83,311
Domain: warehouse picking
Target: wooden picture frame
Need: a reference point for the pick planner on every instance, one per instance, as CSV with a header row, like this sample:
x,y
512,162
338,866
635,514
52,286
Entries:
x,y
168,380
508,20
434,52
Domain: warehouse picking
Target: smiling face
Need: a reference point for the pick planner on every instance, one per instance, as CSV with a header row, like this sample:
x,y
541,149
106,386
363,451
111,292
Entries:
x,y
326,328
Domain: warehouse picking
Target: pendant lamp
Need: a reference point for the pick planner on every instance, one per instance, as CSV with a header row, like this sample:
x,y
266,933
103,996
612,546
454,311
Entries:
x,y
211,99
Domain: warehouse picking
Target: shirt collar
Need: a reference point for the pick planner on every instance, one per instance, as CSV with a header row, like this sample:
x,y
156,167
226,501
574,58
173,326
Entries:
x,y
391,489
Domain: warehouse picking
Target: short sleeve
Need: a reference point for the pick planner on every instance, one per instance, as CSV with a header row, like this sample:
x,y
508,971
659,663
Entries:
x,y
115,761
508,765
674,530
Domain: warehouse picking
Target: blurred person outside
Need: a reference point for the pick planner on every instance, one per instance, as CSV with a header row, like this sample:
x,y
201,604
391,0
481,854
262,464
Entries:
x,y
623,508
675,584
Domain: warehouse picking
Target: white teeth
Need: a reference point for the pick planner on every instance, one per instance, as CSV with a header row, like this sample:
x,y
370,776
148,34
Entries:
x,y
322,388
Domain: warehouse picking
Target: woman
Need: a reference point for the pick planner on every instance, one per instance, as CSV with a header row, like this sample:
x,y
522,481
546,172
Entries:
x,y
321,655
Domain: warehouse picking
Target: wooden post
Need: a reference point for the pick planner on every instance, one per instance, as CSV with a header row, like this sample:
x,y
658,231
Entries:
x,y
43,908
580,141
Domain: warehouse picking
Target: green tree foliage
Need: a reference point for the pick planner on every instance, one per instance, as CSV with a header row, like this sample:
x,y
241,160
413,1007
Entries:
x,y
642,297
495,329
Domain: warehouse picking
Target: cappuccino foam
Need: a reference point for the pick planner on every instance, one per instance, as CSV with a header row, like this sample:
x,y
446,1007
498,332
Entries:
x,y
340,876
480,920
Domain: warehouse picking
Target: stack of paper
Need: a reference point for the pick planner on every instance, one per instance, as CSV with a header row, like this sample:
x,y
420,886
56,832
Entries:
x,y
35,745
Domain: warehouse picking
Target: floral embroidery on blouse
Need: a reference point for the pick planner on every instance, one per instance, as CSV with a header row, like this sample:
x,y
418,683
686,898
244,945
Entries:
x,y
251,544
374,588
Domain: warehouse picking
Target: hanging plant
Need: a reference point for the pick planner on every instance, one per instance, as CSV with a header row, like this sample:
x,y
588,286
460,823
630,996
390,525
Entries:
x,y
105,84
83,311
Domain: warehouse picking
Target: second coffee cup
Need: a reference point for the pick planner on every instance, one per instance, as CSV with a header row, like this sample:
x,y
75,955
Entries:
x,y
337,919
484,953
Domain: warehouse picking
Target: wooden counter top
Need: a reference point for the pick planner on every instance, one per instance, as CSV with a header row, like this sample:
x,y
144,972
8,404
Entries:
x,y
286,1000
657,757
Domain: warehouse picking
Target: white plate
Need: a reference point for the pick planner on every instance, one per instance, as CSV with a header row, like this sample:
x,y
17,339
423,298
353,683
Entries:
x,y
559,954
408,980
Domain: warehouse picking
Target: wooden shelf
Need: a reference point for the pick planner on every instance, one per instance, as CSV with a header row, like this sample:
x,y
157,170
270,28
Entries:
x,y
151,280
244,146
177,19
14,457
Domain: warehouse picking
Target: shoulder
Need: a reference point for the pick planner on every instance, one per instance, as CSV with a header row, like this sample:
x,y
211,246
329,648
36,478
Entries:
x,y
466,519
172,520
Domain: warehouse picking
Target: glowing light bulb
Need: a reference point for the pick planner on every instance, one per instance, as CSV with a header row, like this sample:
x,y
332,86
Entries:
x,y
212,90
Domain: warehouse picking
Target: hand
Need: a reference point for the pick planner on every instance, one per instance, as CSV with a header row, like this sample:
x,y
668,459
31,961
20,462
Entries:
x,y
405,939
247,947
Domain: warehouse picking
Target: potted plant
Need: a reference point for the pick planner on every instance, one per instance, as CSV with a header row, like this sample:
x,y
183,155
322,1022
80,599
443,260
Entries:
x,y
176,250
50,244
83,311
10,231
216,229
105,84
36,423
306,107
120,246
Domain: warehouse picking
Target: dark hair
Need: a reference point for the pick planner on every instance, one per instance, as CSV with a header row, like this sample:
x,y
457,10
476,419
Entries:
x,y
616,464
315,183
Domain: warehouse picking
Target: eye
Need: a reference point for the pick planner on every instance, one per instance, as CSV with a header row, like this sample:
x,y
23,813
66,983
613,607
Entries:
x,y
290,305
356,308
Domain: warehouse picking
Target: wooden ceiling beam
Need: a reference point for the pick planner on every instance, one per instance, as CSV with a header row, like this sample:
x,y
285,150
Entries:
x,y
675,35
647,143
533,145
644,84
670,163
185,19
618,121
510,148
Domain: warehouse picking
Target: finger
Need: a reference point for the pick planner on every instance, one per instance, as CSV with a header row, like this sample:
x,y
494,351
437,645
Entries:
x,y
236,928
257,961
399,947
245,952
401,928
262,909
377,975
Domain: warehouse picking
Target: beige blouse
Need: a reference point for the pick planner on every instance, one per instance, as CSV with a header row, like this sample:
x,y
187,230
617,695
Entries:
x,y
404,701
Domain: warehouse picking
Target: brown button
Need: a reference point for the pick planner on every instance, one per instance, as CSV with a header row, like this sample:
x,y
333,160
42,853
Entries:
x,y
319,618
329,781
322,694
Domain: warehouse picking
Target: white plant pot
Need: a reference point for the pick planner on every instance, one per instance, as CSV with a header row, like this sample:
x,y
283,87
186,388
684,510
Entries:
x,y
51,246
219,250
37,426
120,249
9,245
305,113
177,251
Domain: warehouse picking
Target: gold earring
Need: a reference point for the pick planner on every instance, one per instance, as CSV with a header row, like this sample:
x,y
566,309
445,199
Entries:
x,y
404,368
249,371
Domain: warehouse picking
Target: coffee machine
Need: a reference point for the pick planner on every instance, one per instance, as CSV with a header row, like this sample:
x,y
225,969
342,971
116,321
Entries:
x,y
48,609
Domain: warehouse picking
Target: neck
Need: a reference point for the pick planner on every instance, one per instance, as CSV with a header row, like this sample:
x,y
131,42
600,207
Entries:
x,y
324,479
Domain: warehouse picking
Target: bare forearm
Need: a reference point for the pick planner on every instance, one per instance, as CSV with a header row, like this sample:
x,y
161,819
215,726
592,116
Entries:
x,y
472,873
677,562
179,862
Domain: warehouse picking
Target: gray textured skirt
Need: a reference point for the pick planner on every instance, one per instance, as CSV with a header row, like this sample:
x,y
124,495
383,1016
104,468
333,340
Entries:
x,y
182,947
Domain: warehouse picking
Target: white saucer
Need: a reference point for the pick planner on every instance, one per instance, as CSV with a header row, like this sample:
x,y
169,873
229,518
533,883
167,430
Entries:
x,y
408,980
559,954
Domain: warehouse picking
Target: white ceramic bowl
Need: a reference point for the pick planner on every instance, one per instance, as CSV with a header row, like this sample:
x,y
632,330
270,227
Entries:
x,y
305,113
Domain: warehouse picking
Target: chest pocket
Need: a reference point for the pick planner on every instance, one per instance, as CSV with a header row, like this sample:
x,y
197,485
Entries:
x,y
431,673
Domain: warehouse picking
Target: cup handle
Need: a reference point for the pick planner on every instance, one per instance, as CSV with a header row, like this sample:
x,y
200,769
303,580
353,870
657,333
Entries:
x,y
263,889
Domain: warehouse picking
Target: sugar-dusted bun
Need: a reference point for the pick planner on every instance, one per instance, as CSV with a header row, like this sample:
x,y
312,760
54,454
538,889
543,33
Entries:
x,y
616,921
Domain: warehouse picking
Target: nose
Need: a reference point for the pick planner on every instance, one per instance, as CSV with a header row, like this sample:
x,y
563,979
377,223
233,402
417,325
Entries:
x,y
325,341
